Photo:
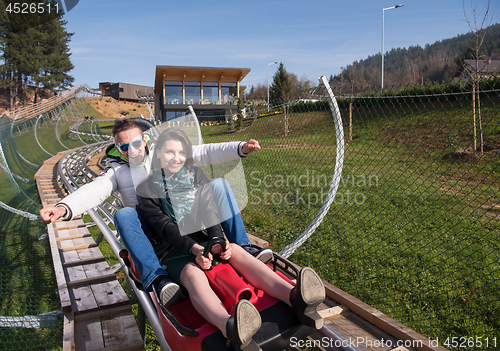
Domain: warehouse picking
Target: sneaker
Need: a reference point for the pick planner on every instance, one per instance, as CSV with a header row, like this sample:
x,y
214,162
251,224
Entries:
x,y
168,292
263,254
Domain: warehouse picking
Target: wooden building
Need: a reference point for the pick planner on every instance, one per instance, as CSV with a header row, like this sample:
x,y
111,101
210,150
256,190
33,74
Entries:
x,y
485,69
124,91
211,91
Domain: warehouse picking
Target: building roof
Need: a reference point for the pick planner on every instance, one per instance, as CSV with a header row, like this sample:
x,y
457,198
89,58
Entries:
x,y
484,67
193,73
135,85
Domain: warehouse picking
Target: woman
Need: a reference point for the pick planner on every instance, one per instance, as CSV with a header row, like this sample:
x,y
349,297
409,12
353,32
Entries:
x,y
175,200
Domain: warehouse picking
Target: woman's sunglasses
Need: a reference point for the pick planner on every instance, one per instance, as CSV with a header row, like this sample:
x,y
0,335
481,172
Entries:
x,y
135,144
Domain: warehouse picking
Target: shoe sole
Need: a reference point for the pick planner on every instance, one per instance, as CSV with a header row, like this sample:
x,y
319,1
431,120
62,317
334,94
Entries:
x,y
248,321
313,293
265,256
311,287
170,294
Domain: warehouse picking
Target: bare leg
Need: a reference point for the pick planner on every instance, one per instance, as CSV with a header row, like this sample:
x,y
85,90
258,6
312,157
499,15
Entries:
x,y
304,298
203,298
259,275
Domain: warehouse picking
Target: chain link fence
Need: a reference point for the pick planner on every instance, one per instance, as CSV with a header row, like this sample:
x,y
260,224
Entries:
x,y
413,229
30,309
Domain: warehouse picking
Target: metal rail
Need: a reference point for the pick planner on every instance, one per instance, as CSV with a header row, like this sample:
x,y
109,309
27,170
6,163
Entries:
x,y
74,172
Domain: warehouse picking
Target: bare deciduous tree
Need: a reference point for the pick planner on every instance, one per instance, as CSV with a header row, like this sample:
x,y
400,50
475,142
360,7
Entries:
x,y
479,31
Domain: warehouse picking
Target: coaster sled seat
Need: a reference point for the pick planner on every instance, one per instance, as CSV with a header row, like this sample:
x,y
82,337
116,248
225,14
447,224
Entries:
x,y
185,329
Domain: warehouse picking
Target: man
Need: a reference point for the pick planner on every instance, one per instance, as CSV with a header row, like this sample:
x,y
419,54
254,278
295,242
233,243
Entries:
x,y
128,165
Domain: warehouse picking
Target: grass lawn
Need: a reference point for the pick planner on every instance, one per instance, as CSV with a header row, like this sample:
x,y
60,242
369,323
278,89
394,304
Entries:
x,y
413,230
408,233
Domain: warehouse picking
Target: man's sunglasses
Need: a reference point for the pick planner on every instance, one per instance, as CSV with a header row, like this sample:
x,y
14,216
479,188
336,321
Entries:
x,y
135,144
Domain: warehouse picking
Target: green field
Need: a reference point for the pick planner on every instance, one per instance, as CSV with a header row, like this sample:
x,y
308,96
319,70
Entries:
x,y
413,230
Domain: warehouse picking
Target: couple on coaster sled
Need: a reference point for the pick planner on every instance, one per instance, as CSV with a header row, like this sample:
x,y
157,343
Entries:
x,y
177,200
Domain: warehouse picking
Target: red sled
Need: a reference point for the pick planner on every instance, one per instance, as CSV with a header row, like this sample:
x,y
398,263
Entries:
x,y
185,329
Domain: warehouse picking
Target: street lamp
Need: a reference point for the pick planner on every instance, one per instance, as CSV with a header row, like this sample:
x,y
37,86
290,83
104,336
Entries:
x,y
272,63
383,10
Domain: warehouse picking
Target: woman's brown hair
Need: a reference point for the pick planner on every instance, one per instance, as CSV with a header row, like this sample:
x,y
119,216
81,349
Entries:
x,y
179,135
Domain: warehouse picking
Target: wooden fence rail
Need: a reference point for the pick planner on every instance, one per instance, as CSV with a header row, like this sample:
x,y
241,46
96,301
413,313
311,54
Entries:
x,y
32,111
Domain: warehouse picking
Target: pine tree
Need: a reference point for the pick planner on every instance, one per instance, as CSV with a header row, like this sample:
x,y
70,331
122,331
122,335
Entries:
x,y
34,49
56,61
28,57
281,89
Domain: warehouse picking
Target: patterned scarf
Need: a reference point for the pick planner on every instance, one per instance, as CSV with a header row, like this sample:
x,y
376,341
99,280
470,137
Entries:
x,y
180,192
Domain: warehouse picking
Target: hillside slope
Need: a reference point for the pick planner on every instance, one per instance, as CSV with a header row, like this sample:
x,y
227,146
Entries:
x,y
111,108
105,107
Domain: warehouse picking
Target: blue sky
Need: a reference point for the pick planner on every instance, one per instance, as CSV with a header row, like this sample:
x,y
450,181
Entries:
x,y
123,41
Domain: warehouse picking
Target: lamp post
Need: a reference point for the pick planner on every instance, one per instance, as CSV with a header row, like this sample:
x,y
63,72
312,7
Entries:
x,y
383,11
272,63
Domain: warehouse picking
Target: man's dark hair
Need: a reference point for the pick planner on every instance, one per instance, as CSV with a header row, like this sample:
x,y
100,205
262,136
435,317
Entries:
x,y
122,125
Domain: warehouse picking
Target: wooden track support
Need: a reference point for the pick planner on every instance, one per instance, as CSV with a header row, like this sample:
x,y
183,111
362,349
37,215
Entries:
x,y
366,328
97,311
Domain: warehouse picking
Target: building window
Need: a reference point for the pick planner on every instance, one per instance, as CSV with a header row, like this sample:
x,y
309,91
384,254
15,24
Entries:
x,y
173,93
177,115
211,116
228,93
193,92
211,93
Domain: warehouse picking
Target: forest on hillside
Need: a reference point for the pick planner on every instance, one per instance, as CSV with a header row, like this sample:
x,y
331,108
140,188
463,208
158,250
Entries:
x,y
436,62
